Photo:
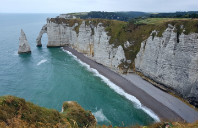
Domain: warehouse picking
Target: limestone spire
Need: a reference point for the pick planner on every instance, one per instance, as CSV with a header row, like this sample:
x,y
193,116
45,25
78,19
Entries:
x,y
24,47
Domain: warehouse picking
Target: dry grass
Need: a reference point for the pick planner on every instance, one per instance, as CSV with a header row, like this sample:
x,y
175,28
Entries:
x,y
16,113
77,116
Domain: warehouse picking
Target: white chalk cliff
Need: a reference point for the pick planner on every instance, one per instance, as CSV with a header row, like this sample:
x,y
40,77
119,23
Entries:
x,y
163,59
171,63
24,47
90,40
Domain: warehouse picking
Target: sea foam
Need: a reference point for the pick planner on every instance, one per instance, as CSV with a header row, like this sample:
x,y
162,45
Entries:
x,y
100,117
117,89
41,62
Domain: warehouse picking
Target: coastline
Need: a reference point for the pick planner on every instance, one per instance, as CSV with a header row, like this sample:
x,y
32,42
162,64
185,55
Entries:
x,y
164,111
137,104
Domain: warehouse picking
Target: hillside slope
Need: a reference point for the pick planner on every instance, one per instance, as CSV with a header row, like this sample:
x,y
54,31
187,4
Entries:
x,y
16,112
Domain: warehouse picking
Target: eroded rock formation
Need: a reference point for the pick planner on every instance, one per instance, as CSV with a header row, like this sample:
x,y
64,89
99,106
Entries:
x,y
43,30
89,39
24,47
171,61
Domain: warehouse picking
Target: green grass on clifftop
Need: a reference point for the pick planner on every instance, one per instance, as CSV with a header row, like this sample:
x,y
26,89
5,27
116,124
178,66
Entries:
x,y
157,20
140,30
136,32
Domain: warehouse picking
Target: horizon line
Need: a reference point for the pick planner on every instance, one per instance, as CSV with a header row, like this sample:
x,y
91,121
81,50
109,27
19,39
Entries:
x,y
93,11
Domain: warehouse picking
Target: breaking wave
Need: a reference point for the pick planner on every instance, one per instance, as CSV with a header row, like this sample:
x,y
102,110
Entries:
x,y
100,117
41,62
117,89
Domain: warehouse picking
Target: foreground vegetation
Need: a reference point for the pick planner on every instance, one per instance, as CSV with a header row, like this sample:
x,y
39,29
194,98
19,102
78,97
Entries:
x,y
17,113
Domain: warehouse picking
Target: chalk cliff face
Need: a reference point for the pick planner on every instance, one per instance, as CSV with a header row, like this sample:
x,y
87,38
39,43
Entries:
x,y
172,61
24,47
90,40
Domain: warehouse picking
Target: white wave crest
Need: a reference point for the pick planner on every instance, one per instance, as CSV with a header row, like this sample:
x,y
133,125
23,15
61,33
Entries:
x,y
41,62
100,117
117,88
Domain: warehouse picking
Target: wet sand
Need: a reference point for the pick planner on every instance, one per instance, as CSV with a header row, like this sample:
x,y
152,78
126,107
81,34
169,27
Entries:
x,y
144,94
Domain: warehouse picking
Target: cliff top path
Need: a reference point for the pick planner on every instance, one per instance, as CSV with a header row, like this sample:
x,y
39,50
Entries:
x,y
164,105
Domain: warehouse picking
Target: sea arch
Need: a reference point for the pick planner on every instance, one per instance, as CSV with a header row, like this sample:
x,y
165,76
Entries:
x,y
38,40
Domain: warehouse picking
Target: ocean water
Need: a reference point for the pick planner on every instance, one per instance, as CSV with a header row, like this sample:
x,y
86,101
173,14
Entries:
x,y
50,76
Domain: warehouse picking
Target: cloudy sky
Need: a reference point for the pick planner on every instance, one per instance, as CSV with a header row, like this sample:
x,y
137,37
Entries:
x,y
65,6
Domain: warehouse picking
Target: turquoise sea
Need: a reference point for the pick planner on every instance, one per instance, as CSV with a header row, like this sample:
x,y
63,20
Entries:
x,y
49,76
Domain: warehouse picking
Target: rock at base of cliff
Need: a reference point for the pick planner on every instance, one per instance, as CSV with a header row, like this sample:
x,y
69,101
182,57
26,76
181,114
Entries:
x,y
24,47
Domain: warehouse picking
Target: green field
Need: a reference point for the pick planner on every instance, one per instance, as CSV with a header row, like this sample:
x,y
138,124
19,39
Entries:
x,y
159,20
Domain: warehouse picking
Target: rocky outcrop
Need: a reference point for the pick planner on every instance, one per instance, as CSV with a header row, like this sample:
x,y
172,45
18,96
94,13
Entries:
x,y
127,44
90,39
24,47
171,60
82,117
